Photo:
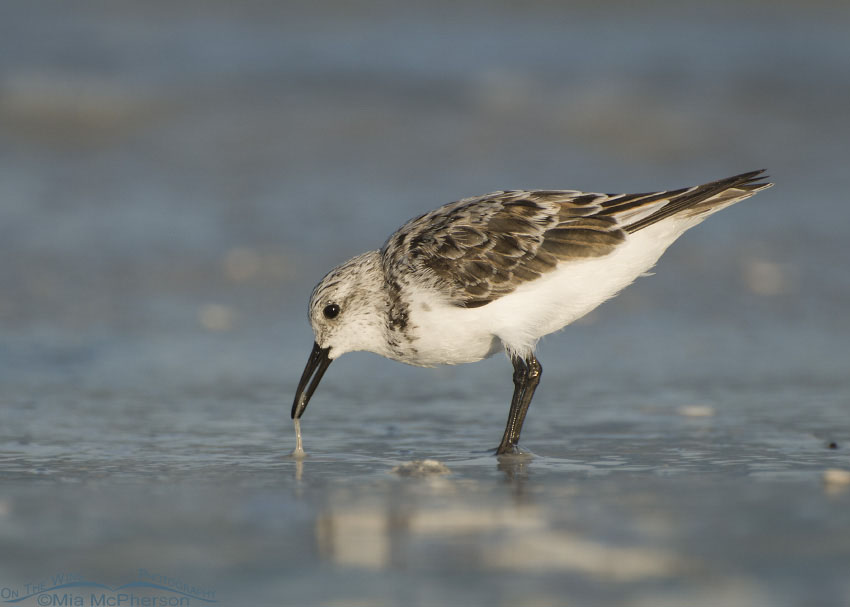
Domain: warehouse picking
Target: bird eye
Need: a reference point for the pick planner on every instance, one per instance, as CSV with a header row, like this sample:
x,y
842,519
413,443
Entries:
x,y
331,311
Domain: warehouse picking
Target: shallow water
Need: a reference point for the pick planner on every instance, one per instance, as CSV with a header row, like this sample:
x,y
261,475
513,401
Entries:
x,y
174,178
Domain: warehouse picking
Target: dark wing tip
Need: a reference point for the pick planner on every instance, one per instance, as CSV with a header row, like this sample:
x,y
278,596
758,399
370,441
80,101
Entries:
x,y
751,181
750,178
693,197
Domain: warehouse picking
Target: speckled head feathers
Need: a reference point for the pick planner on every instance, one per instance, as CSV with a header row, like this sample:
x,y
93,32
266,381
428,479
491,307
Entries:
x,y
348,306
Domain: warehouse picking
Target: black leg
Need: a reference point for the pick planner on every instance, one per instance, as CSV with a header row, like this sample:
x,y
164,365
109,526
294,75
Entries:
x,y
532,378
526,377
519,386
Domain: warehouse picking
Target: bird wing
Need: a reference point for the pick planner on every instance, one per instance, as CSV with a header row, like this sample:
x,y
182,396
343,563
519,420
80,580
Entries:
x,y
478,249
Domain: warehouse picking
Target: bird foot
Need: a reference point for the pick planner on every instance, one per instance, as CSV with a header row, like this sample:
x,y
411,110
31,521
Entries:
x,y
510,451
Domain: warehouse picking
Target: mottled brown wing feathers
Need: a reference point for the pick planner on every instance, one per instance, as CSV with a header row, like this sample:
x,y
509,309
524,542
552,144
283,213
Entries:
x,y
482,248
479,249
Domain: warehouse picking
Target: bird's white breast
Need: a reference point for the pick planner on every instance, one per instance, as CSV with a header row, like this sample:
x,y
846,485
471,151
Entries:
x,y
446,334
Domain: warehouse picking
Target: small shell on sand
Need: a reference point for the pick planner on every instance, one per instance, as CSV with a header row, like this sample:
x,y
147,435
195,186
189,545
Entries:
x,y
298,452
421,467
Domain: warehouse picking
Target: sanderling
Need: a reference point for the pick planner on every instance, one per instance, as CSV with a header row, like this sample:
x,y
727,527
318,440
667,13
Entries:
x,y
499,271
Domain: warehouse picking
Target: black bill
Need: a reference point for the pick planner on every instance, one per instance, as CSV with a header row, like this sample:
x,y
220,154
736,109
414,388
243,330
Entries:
x,y
317,364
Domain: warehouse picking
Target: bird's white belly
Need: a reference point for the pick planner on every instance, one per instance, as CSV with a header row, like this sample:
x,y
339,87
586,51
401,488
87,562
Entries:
x,y
445,334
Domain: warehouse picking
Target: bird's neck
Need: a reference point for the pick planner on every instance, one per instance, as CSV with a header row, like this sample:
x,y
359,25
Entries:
x,y
387,330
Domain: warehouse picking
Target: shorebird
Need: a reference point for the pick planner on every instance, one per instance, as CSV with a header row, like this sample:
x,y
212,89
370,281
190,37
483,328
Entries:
x,y
499,271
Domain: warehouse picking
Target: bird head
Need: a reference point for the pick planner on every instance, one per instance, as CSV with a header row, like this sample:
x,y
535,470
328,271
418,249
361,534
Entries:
x,y
347,313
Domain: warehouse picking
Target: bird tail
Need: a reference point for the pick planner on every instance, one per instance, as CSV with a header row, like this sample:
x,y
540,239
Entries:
x,y
706,199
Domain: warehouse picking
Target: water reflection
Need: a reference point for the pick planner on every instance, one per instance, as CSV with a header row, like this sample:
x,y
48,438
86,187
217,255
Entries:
x,y
437,521
515,468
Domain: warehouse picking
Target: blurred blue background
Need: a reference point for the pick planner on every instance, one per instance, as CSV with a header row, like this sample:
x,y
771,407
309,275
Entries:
x,y
170,168
176,176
